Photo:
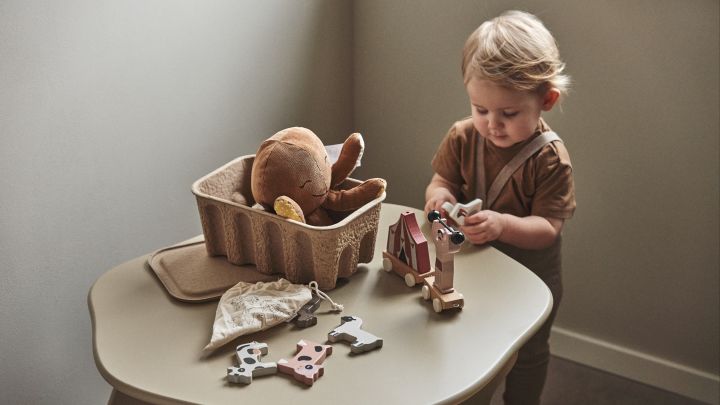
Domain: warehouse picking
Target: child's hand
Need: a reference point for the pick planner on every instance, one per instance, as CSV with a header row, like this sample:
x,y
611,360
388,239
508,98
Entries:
x,y
435,202
484,226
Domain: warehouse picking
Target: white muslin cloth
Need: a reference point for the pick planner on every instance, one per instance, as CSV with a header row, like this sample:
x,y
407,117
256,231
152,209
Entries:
x,y
246,308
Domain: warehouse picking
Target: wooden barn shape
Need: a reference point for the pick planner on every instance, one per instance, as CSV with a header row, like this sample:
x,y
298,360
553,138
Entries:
x,y
407,243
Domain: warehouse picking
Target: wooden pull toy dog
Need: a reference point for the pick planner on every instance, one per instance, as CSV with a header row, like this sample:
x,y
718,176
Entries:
x,y
307,365
440,286
350,331
249,364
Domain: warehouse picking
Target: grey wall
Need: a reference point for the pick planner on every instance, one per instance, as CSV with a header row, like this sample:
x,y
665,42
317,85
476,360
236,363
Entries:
x,y
109,110
641,124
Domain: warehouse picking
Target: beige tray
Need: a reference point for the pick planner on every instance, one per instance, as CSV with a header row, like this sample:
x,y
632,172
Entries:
x,y
189,274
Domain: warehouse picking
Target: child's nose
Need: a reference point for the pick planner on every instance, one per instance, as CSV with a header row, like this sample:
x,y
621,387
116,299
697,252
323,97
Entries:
x,y
494,122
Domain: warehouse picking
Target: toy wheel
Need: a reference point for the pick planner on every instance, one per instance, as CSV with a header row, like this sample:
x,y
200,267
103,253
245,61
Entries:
x,y
437,305
387,264
426,292
409,280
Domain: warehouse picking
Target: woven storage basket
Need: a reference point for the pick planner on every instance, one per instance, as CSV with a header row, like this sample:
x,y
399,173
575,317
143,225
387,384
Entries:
x,y
302,253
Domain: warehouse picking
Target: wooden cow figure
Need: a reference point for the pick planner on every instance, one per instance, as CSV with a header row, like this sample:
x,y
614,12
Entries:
x,y
249,364
307,365
349,330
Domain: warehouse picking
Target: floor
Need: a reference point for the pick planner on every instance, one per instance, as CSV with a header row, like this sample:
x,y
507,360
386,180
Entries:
x,y
570,383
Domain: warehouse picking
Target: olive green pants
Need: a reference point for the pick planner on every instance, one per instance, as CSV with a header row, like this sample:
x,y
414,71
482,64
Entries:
x,y
524,384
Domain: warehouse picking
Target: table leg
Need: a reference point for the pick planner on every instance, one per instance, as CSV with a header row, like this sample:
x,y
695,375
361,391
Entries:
x,y
485,395
118,398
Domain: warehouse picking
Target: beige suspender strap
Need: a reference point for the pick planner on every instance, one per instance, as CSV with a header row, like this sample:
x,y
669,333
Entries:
x,y
480,170
525,153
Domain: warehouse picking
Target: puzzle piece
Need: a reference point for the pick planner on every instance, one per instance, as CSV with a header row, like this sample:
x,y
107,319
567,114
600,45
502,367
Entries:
x,y
307,365
305,316
249,364
349,330
458,212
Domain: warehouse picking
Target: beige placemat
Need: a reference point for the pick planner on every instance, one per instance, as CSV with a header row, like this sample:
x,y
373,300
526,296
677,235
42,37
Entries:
x,y
189,274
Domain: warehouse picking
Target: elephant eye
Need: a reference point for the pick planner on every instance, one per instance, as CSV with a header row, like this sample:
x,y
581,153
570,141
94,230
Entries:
x,y
306,182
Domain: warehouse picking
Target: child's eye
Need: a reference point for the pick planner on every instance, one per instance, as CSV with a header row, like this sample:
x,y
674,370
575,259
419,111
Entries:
x,y
510,114
481,111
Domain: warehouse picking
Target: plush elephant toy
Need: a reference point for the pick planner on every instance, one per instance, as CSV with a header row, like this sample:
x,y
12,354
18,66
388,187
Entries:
x,y
293,177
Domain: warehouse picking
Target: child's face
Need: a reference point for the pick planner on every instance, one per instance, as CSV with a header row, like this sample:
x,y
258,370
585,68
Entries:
x,y
505,116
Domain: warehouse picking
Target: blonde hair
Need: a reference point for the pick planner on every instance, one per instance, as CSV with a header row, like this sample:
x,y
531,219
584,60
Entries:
x,y
517,51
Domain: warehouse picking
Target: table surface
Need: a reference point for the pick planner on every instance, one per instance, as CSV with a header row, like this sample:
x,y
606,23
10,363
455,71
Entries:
x,y
148,345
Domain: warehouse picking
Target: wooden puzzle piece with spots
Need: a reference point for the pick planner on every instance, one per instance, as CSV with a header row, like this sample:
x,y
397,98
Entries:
x,y
249,364
350,331
307,365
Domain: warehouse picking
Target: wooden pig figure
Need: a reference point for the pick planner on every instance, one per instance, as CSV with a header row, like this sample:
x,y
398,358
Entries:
x,y
249,364
306,366
349,330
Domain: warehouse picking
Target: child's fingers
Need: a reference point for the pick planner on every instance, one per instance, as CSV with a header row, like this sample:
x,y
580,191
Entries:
x,y
476,236
476,218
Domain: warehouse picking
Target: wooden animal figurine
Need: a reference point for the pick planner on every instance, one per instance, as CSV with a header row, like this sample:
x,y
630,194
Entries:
x,y
407,250
440,286
307,365
350,331
249,364
458,212
292,176
306,316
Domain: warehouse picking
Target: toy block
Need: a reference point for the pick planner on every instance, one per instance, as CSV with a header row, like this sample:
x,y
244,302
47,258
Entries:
x,y
307,365
350,331
306,317
249,364
458,212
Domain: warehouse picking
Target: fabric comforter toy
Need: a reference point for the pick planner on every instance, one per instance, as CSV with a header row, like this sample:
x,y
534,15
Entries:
x,y
293,177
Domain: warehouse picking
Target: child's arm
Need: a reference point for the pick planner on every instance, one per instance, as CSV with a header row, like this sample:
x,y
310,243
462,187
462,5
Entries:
x,y
533,232
438,191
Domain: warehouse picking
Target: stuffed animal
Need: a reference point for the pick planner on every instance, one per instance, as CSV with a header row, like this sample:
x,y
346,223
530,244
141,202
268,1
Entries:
x,y
292,176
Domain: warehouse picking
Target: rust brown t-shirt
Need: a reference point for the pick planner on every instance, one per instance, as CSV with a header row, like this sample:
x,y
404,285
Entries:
x,y
542,186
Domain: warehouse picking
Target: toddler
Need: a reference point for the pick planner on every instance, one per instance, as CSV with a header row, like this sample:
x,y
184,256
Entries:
x,y
507,155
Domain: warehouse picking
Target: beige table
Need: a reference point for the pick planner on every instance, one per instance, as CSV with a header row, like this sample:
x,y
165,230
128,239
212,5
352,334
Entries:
x,y
147,344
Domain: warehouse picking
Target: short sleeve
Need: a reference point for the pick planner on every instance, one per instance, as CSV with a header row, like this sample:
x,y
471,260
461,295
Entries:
x,y
446,161
554,185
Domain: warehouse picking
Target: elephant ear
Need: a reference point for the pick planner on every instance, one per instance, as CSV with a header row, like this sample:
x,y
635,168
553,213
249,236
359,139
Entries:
x,y
350,154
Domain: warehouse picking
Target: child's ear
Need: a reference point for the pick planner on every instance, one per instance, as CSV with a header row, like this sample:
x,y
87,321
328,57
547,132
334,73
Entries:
x,y
550,98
